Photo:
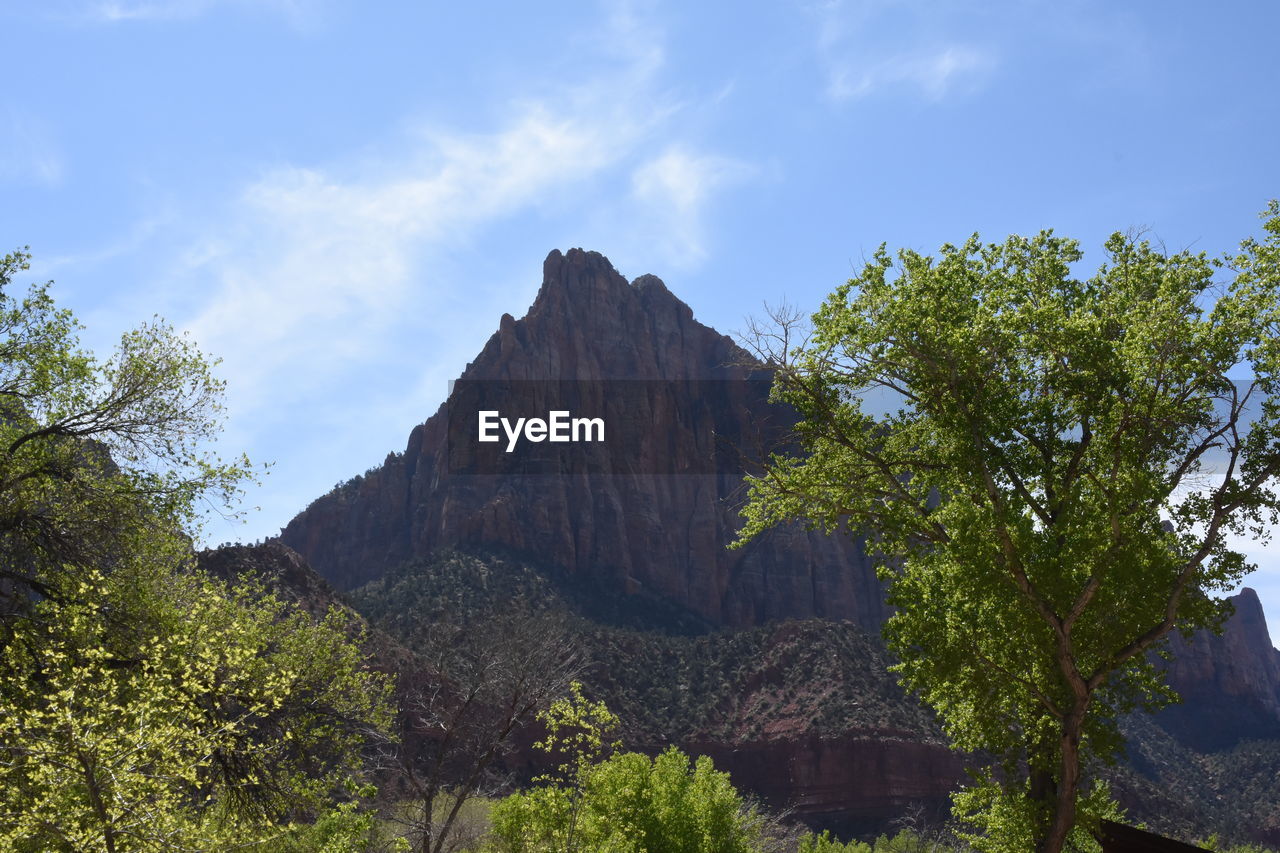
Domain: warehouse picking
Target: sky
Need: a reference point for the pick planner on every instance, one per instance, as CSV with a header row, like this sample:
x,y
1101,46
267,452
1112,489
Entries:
x,y
340,199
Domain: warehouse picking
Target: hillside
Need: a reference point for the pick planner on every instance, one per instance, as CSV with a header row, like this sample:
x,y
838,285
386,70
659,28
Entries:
x,y
805,714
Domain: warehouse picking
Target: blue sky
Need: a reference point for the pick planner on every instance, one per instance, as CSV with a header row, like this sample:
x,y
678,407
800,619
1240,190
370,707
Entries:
x,y
340,199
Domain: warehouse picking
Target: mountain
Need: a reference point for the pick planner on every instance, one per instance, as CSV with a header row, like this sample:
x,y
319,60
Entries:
x,y
690,640
1229,683
654,532
802,713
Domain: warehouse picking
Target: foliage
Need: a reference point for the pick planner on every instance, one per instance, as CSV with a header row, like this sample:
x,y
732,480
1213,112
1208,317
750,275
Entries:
x,y
144,706
824,843
605,801
1212,843
630,802
346,828
215,718
580,729
98,459
1053,492
1006,817
904,841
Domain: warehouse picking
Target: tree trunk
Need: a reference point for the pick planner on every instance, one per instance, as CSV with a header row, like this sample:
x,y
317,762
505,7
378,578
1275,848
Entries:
x,y
1063,804
426,845
90,767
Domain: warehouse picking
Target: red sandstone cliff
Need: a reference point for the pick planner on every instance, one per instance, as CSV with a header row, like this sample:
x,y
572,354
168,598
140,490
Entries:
x,y
661,534
1240,664
1229,683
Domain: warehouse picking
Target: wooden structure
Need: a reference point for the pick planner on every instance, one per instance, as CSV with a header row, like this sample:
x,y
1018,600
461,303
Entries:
x,y
1118,838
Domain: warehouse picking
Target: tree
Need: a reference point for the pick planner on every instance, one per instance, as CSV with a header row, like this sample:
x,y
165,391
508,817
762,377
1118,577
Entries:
x,y
609,802
1051,488
142,705
488,679
98,460
218,718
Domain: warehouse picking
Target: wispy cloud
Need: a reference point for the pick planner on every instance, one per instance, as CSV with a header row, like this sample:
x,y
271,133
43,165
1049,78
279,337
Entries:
x,y
674,189
126,11
315,271
932,73
29,152
299,13
886,45
317,265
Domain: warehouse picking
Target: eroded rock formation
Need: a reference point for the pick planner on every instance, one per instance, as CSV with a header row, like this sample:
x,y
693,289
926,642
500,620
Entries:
x,y
659,533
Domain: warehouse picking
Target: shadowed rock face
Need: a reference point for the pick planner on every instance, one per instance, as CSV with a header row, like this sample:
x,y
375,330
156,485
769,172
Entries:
x,y
660,535
852,784
1229,684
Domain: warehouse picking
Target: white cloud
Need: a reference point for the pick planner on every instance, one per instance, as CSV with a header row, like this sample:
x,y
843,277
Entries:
x,y
318,265
125,11
933,73
674,189
866,48
302,14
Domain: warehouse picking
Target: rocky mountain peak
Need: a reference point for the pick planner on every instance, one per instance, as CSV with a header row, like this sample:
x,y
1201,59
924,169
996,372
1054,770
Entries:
x,y
1230,682
648,533
589,323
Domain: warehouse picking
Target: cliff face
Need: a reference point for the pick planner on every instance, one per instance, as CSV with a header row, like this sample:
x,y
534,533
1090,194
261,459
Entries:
x,y
1229,683
1240,664
644,532
852,784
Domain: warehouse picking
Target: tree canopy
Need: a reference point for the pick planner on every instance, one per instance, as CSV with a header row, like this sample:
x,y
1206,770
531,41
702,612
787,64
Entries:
x,y
97,457
1050,488
168,712
605,801
143,705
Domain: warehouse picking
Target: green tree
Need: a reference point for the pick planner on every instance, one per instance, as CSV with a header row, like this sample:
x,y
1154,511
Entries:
x,y
1051,488
144,706
904,841
608,802
217,718
98,460
635,804
824,843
